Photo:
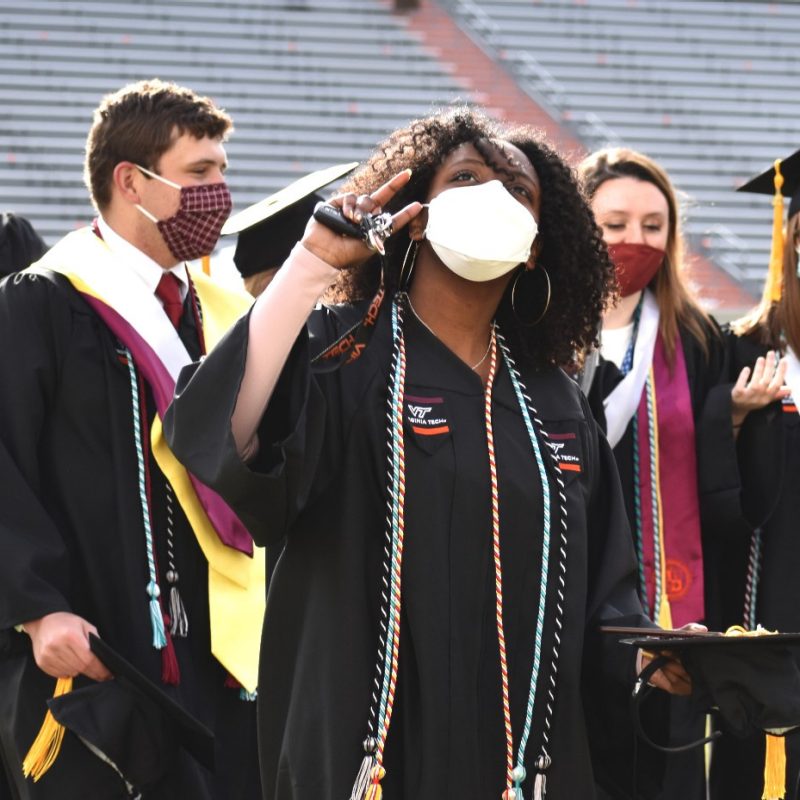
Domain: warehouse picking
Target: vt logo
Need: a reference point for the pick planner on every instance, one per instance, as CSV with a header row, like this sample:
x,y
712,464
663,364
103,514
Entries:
x,y
557,446
427,417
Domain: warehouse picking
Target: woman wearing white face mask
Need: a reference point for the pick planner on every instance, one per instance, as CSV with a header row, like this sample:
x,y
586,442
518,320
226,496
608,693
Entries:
x,y
455,532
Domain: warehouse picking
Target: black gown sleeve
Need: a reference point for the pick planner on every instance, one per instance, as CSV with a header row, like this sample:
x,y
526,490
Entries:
x,y
609,668
612,597
35,331
711,379
298,449
726,510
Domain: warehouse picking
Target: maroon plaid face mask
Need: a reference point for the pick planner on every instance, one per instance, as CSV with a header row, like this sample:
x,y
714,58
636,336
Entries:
x,y
194,229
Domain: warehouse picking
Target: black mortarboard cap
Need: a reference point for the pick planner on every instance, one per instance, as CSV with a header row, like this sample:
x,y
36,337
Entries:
x,y
765,182
754,681
269,229
781,180
131,721
20,245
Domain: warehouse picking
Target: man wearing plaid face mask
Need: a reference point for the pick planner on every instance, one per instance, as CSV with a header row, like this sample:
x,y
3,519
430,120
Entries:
x,y
101,531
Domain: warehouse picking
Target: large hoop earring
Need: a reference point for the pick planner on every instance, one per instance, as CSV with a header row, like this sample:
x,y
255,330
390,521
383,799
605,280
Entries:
x,y
405,278
514,297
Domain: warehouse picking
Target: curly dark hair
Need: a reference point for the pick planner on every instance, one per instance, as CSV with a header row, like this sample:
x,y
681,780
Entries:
x,y
571,246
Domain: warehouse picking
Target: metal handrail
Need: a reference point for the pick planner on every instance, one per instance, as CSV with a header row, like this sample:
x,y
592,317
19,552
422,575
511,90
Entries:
x,y
531,75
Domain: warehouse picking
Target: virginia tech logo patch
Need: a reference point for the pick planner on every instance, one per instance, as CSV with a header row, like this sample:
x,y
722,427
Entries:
x,y
565,448
426,415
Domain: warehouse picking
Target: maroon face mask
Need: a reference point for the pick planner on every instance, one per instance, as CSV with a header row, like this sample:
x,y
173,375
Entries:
x,y
635,264
193,230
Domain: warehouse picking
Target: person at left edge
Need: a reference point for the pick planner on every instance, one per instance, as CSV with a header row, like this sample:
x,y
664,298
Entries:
x,y
100,530
20,244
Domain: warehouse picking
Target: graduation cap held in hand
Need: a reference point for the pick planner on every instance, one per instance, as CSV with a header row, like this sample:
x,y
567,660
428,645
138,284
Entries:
x,y
129,722
751,678
269,229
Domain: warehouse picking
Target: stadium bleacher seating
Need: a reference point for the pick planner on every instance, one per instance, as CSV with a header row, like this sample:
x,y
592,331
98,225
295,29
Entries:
x,y
308,85
709,89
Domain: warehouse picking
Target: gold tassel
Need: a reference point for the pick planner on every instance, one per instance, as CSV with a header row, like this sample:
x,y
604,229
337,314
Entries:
x,y
205,264
775,768
664,613
47,745
775,275
375,790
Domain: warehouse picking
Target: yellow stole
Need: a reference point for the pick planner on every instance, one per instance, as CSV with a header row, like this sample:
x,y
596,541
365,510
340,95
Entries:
x,y
236,581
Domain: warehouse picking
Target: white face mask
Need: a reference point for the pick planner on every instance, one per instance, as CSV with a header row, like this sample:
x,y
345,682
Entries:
x,y
480,232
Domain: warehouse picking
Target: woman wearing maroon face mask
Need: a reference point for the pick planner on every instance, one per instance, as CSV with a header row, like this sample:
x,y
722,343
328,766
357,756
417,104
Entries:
x,y
660,356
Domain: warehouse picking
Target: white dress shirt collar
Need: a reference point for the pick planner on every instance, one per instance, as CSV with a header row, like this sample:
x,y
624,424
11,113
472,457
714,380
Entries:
x,y
133,259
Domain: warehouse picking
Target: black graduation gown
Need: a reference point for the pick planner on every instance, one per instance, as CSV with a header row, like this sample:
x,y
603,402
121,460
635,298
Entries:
x,y
72,539
320,479
722,562
759,490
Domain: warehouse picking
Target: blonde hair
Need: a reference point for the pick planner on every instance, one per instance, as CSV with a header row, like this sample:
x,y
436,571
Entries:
x,y
772,318
676,304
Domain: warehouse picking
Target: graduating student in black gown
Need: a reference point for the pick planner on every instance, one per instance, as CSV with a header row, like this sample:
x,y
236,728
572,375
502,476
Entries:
x,y
371,433
76,403
758,495
659,359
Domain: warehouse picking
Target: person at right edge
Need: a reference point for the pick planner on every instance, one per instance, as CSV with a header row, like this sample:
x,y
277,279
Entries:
x,y
660,356
759,495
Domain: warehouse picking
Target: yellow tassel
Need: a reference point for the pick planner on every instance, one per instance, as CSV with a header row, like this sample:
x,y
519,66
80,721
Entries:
x,y
375,790
775,275
664,614
45,748
775,768
205,264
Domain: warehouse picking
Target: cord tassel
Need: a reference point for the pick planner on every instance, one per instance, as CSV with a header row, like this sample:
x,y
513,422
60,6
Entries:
x,y
774,284
156,617
665,613
368,763
375,790
177,613
775,768
47,745
540,786
170,671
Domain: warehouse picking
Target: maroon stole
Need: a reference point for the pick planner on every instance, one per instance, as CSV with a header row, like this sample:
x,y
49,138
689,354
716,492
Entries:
x,y
682,573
